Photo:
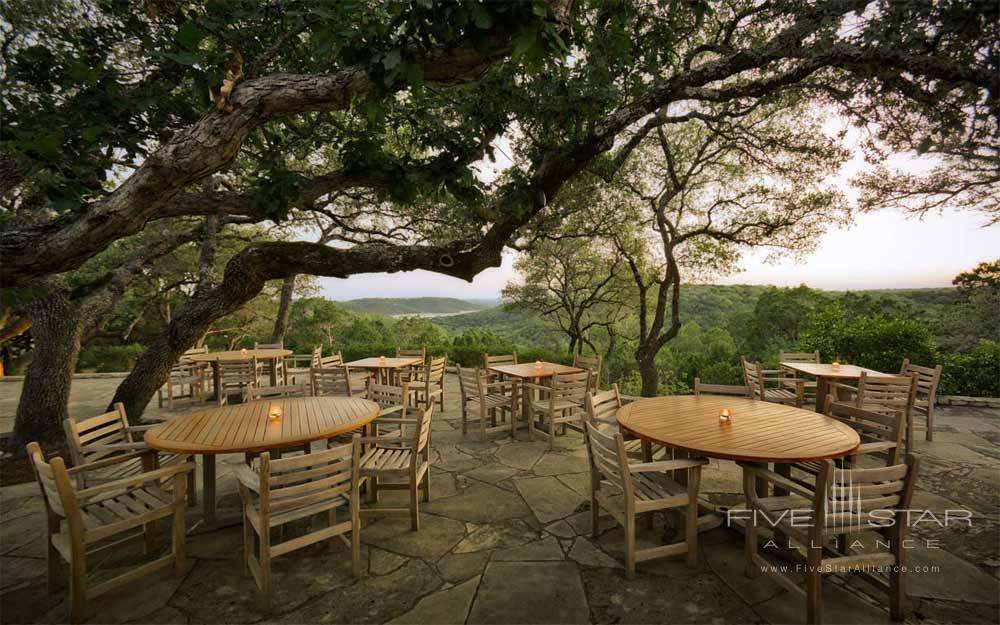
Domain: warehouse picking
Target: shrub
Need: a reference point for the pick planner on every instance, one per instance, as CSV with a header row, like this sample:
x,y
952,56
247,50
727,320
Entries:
x,y
109,358
976,374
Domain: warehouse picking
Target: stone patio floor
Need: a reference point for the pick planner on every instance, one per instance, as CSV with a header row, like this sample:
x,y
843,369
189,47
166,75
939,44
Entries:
x,y
506,539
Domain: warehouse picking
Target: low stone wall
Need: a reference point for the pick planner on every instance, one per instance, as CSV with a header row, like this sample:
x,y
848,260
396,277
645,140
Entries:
x,y
962,400
76,376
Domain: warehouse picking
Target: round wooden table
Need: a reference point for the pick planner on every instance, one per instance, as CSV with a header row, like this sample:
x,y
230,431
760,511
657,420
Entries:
x,y
246,428
758,432
272,355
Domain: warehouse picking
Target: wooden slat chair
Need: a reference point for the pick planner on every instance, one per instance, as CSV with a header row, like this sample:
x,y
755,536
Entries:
x,y
601,410
236,374
883,395
359,378
107,449
881,436
337,381
279,365
626,490
927,379
97,517
404,462
184,375
276,492
592,364
409,374
809,385
428,385
298,365
734,390
496,361
393,402
563,404
844,502
769,385
487,398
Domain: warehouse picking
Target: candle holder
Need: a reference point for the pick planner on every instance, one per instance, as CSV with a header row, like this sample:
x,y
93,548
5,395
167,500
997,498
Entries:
x,y
243,352
725,416
274,413
381,359
835,364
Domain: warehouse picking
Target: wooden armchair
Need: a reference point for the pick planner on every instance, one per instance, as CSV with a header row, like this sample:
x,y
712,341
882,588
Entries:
x,y
770,385
488,398
496,361
252,392
927,380
96,515
843,502
358,378
428,385
282,491
184,375
405,462
734,390
882,395
338,381
601,411
106,448
565,399
236,374
298,365
278,364
809,385
592,364
626,490
410,373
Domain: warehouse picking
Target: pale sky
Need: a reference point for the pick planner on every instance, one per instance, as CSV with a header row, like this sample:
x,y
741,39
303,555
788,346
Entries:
x,y
887,249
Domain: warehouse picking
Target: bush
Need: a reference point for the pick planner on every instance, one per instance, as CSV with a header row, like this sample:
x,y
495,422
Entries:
x,y
109,358
975,374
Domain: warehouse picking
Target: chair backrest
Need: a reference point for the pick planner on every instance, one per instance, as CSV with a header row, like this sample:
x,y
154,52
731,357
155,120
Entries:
x,y
194,351
608,460
412,353
332,381
334,360
278,345
812,357
720,389
927,379
569,387
108,428
309,479
753,377
592,364
252,392
886,394
847,497
500,359
602,408
470,382
55,484
872,427
238,373
316,359
422,432
434,370
388,396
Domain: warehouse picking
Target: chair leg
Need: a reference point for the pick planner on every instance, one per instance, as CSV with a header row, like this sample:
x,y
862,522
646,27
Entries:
x,y
248,543
427,484
265,569
177,539
77,585
630,545
192,487
897,579
52,557
909,432
595,516
414,506
691,533
930,420
750,547
814,586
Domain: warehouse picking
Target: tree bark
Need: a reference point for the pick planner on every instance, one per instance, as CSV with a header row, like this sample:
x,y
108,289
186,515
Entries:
x,y
284,310
647,371
42,408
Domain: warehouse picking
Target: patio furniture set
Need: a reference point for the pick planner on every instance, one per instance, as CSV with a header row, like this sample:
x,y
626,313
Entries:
x,y
837,466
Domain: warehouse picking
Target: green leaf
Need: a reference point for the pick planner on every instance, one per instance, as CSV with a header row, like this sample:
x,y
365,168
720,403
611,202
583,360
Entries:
x,y
482,17
183,58
391,59
189,35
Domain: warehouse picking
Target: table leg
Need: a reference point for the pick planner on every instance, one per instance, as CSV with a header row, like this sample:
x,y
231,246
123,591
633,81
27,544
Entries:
x,y
208,488
822,389
274,372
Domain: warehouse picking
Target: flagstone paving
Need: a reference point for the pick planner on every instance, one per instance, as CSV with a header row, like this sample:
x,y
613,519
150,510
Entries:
x,y
507,539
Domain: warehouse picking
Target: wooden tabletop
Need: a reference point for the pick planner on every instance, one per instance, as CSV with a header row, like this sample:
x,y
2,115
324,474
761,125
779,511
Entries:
x,y
759,431
261,354
386,363
529,370
841,372
246,427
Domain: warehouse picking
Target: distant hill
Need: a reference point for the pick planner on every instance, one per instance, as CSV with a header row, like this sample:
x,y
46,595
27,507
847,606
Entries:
x,y
411,306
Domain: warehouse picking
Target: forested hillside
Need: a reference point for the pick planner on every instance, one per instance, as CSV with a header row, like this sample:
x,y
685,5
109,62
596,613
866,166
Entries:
x,y
410,306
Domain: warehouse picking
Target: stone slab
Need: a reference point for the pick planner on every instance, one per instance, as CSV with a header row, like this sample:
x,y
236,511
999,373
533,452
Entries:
x,y
530,592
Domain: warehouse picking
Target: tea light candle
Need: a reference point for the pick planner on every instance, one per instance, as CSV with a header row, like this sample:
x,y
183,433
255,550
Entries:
x,y
725,415
538,364
835,364
274,412
381,358
243,352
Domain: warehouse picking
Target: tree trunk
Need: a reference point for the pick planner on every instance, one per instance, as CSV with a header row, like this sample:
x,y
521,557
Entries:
x,y
612,345
284,310
42,408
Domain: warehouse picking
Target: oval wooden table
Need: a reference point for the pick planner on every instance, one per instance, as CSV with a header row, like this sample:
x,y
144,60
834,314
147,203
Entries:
x,y
246,428
213,358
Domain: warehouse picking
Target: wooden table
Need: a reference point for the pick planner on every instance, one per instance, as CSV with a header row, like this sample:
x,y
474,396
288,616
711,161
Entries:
x,y
825,372
272,355
246,428
386,369
531,372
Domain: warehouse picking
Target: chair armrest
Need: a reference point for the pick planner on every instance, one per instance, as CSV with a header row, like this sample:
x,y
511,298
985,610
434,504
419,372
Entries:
x,y
507,384
143,428
395,440
778,480
135,480
121,447
666,465
771,371
108,462
870,448
537,387
846,387
396,421
247,477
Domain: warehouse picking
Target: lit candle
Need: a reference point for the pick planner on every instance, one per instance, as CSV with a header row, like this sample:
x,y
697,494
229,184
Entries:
x,y
243,352
274,412
725,415
835,364
382,359
538,364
